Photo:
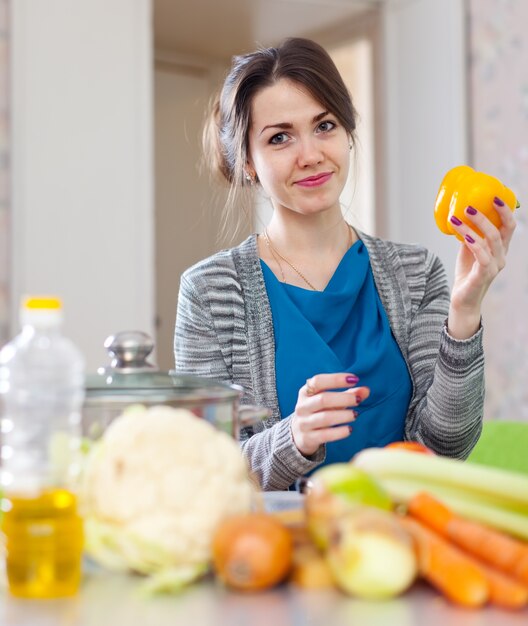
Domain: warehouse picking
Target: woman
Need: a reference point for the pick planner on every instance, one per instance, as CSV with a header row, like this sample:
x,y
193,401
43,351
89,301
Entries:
x,y
349,340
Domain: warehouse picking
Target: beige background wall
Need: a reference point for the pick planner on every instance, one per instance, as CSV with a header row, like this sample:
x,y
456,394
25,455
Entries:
x,y
498,57
4,174
186,222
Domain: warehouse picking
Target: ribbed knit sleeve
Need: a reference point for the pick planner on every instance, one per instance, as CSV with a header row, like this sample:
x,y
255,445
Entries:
x,y
447,409
196,346
274,458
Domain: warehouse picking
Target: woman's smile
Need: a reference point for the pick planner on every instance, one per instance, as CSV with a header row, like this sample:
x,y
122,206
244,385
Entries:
x,y
315,181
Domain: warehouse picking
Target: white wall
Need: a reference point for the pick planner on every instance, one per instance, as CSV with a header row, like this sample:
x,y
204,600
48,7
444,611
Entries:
x,y
425,115
82,163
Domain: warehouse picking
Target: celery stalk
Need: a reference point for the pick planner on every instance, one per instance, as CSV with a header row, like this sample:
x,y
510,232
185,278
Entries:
x,y
470,506
507,489
493,496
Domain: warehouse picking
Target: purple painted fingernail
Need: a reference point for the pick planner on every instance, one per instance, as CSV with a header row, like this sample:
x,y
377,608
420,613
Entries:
x,y
470,239
350,429
498,201
454,220
471,211
352,379
358,398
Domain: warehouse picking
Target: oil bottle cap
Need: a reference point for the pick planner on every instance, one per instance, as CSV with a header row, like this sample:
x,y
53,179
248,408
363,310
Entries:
x,y
41,311
42,302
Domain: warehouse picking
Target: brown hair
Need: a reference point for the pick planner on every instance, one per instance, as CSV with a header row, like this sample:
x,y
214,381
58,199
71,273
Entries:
x,y
227,128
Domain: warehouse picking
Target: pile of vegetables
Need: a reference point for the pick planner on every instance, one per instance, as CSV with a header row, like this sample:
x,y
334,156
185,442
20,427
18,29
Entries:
x,y
155,488
373,526
168,496
469,523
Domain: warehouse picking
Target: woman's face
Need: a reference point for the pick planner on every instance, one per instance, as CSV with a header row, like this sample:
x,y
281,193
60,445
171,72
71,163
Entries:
x,y
299,151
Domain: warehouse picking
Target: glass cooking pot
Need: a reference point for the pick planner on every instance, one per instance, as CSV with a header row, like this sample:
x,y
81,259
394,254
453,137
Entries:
x,y
131,379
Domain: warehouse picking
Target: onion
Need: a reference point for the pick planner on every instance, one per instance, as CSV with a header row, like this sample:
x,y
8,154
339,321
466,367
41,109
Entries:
x,y
370,555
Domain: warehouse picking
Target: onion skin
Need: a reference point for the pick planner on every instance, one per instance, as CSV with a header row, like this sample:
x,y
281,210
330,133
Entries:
x,y
370,555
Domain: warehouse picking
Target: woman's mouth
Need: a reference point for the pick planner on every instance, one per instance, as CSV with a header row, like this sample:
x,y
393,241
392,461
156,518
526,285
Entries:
x,y
315,181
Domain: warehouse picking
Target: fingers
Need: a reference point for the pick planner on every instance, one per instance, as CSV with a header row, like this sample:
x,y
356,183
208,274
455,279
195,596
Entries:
x,y
322,414
327,419
487,265
329,381
320,428
508,222
491,249
492,236
328,400
316,438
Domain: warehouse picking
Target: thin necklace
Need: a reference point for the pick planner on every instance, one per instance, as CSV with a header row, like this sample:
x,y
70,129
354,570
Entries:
x,y
276,254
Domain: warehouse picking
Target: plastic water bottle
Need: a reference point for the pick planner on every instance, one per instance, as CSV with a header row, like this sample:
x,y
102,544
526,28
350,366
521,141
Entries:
x,y
41,395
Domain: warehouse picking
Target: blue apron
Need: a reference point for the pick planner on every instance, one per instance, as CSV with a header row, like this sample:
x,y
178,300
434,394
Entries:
x,y
341,329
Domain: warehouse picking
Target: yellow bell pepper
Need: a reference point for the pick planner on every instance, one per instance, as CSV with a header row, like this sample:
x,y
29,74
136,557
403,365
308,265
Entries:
x,y
462,187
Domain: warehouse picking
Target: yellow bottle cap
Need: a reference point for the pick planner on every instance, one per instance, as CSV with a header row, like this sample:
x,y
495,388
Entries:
x,y
33,303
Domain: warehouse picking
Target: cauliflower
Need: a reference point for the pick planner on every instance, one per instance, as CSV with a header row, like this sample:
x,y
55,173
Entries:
x,y
155,488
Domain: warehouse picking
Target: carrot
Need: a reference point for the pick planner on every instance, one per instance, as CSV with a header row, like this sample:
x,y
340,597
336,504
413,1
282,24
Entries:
x,y
504,591
492,546
446,567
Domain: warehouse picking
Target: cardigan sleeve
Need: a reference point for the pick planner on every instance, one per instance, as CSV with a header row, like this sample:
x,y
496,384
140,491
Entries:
x,y
196,346
448,375
274,458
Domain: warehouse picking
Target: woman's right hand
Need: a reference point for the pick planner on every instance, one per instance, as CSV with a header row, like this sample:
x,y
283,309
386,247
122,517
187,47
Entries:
x,y
320,415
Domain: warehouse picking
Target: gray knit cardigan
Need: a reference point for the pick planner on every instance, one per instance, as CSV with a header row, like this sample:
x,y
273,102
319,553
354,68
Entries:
x,y
224,331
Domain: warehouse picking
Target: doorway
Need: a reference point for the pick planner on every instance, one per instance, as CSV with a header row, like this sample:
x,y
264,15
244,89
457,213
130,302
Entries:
x,y
187,73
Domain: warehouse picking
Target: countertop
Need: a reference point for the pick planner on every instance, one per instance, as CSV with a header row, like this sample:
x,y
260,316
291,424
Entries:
x,y
115,600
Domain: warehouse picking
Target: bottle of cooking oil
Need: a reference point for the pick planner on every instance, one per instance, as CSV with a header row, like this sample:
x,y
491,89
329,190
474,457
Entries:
x,y
41,395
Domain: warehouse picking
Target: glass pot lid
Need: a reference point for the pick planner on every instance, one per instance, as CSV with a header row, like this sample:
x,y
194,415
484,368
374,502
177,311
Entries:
x,y
130,374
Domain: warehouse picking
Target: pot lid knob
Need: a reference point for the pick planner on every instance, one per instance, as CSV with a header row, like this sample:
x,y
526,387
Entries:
x,y
129,351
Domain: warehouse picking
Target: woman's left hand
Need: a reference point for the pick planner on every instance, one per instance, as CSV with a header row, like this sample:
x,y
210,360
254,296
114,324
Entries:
x,y
479,261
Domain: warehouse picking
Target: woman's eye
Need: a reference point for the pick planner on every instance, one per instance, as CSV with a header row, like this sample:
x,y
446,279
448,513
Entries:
x,y
326,126
279,138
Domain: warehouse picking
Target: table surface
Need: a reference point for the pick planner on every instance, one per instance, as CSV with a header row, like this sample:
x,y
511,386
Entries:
x,y
116,600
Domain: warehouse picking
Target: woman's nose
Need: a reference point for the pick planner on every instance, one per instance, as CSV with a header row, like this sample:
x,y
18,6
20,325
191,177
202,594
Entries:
x,y
310,152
